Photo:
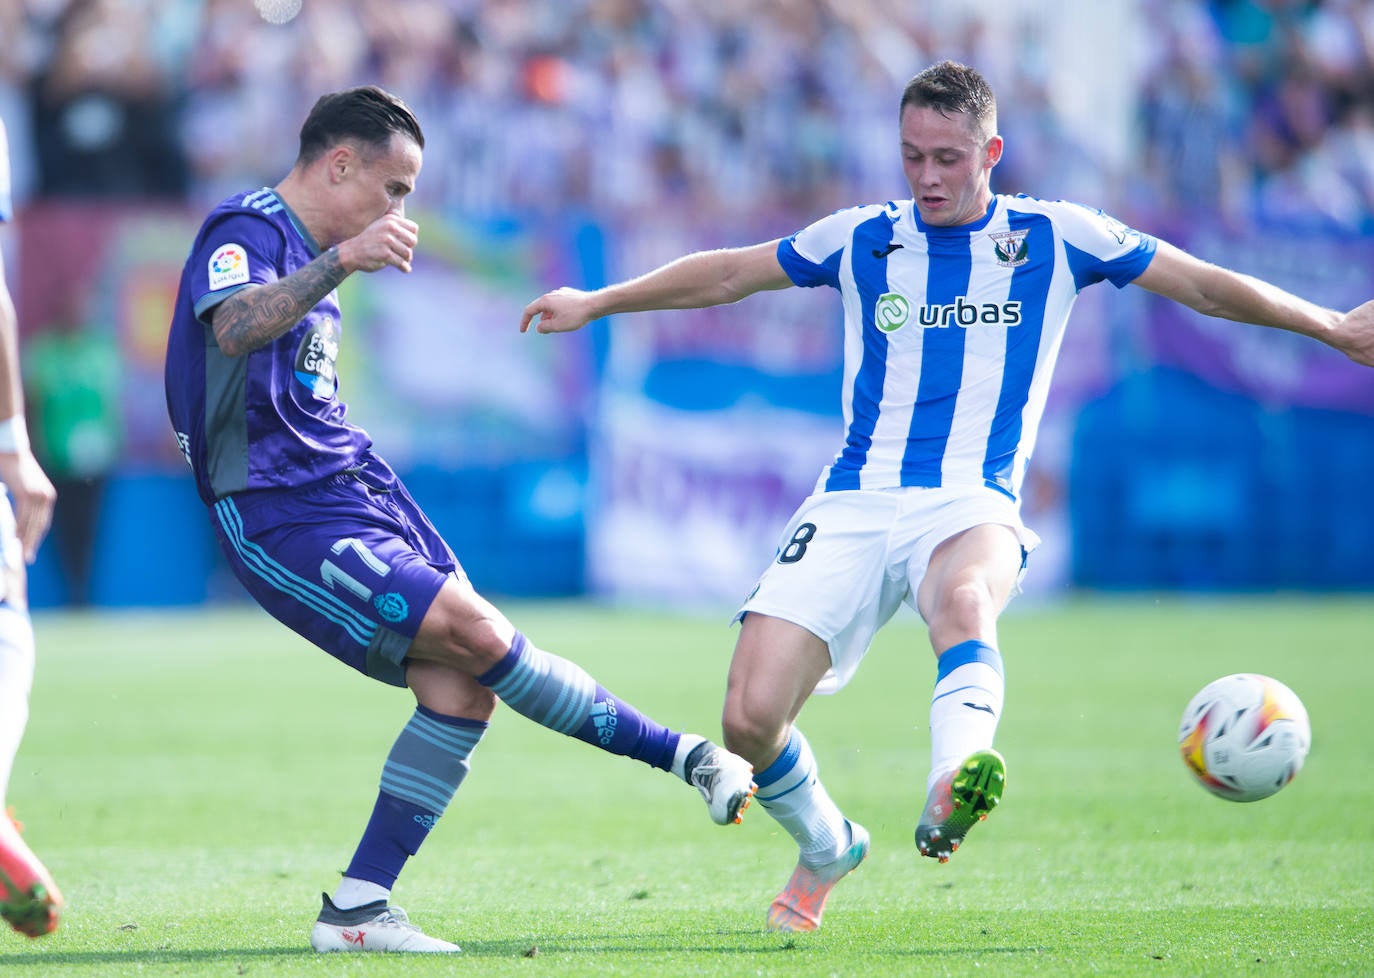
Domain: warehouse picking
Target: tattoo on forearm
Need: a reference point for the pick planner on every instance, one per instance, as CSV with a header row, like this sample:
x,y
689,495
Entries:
x,y
255,317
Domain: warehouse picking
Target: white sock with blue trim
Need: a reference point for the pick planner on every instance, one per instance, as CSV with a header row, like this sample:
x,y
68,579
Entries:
x,y
966,705
790,790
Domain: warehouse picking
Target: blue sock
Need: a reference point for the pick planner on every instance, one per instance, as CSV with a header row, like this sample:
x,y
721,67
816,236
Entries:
x,y
561,696
423,771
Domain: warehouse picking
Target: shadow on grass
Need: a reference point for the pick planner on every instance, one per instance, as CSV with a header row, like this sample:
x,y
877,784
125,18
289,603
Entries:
x,y
188,956
742,942
735,942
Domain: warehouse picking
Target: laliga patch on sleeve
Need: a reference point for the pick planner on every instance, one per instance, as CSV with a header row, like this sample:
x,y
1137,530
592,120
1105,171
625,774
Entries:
x,y
228,266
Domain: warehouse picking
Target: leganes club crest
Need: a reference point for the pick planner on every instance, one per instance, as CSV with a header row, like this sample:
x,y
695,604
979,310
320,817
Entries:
x,y
1010,247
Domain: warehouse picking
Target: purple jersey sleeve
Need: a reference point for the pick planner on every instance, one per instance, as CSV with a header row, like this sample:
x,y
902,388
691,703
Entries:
x,y
237,251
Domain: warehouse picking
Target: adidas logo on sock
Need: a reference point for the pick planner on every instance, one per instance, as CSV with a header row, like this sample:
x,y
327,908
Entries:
x,y
604,716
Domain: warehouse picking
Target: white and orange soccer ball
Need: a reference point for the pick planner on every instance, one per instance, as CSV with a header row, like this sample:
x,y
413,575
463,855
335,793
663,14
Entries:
x,y
1244,736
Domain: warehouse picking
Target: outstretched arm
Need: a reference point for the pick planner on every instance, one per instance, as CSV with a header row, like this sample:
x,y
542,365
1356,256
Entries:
x,y
703,278
1217,291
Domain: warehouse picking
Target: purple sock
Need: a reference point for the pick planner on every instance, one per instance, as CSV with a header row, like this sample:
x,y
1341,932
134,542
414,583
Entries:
x,y
423,771
393,835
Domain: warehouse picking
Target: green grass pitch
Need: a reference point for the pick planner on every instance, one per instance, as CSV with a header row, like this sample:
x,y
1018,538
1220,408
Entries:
x,y
195,780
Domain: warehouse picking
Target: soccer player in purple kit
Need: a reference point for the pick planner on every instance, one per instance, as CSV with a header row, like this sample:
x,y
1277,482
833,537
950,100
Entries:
x,y
955,303
324,535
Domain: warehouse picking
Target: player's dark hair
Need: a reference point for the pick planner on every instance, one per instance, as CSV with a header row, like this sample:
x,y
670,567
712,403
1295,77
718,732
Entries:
x,y
368,114
950,87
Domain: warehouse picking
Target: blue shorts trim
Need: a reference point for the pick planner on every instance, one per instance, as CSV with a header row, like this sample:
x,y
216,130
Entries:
x,y
280,578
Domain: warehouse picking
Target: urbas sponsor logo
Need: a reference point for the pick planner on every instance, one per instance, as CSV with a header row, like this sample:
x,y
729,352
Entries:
x,y
963,313
893,311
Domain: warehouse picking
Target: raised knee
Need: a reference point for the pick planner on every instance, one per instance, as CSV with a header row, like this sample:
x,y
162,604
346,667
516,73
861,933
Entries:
x,y
484,642
968,611
470,645
971,602
463,630
479,648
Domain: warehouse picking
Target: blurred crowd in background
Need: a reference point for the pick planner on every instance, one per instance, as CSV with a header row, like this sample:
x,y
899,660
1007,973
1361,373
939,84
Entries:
x,y
1252,109
570,140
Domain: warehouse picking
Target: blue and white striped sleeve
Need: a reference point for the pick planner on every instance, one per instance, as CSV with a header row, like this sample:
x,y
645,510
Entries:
x,y
811,257
1101,247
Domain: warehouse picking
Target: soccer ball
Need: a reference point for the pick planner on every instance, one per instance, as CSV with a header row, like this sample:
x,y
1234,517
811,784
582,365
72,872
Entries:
x,y
1244,736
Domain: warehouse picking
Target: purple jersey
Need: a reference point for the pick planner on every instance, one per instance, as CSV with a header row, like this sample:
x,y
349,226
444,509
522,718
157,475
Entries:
x,y
270,418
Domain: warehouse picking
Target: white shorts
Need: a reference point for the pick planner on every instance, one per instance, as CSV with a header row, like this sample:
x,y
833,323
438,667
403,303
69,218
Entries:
x,y
847,561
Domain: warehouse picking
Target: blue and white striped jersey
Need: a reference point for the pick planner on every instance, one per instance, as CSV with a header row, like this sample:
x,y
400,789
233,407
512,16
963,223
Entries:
x,y
951,333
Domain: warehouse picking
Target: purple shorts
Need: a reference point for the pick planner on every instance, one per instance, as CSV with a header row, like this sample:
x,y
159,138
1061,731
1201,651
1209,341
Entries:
x,y
350,563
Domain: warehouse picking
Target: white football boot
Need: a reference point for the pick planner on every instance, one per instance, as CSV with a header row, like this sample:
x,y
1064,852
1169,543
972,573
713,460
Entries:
x,y
372,927
724,779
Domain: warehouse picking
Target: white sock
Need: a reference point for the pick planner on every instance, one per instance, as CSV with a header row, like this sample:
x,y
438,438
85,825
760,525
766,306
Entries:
x,y
16,680
353,892
966,705
791,791
685,745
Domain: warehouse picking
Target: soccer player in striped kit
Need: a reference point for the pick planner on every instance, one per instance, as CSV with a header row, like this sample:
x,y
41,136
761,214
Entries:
x,y
955,303
324,535
29,899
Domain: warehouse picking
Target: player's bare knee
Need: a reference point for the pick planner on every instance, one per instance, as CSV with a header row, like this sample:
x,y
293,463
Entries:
x,y
476,647
471,644
463,630
967,611
749,733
